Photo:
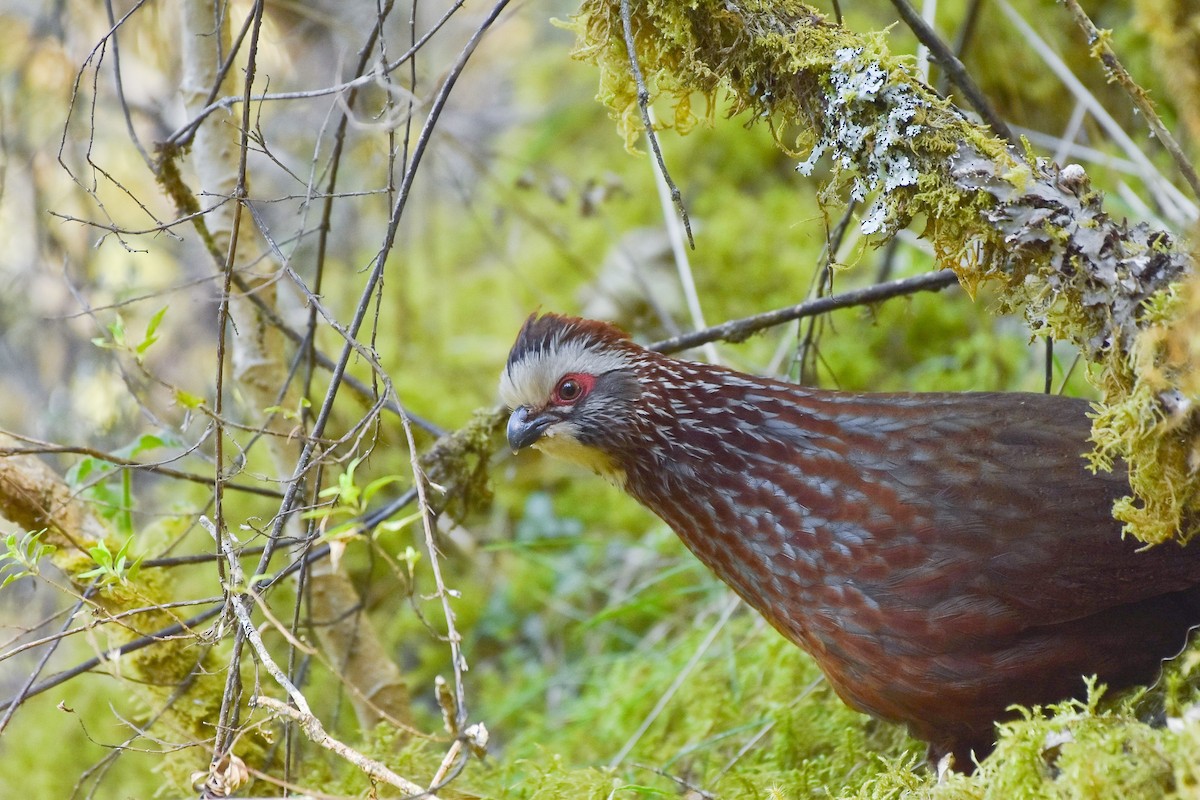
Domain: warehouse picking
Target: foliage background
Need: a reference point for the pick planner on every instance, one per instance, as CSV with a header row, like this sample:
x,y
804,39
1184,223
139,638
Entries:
x,y
579,612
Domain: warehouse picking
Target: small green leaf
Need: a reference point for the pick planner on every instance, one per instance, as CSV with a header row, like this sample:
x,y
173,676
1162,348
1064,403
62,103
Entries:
x,y
151,329
393,525
374,486
147,441
116,330
22,554
187,399
411,557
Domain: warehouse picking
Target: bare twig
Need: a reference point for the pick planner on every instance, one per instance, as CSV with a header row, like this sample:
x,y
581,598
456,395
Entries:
x,y
302,714
1049,364
739,329
1178,207
237,591
833,244
184,133
376,274
313,729
115,653
26,688
443,594
39,448
954,68
643,98
675,233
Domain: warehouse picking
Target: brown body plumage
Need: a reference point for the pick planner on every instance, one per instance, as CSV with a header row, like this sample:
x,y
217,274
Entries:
x,y
941,556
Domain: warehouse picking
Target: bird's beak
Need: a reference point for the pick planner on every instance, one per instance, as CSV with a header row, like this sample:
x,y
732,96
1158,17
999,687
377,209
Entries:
x,y
525,427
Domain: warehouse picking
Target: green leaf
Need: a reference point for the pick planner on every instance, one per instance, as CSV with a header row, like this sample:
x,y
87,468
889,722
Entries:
x,y
116,331
187,399
147,441
374,486
411,557
151,330
393,525
22,554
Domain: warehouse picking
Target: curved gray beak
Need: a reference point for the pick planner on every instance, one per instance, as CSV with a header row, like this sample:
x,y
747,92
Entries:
x,y
526,427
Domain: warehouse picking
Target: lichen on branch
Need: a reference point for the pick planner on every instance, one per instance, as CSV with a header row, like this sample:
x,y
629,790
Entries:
x,y
992,212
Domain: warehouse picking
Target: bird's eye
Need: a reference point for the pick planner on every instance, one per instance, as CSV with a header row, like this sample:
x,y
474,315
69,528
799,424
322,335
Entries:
x,y
570,388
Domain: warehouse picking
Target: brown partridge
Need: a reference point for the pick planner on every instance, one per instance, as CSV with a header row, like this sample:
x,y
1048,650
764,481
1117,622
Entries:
x,y
941,556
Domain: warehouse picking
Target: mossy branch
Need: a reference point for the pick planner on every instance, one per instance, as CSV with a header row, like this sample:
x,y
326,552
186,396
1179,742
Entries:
x,y
34,497
992,213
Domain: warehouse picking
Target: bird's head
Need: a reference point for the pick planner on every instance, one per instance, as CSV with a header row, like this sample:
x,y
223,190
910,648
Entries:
x,y
573,388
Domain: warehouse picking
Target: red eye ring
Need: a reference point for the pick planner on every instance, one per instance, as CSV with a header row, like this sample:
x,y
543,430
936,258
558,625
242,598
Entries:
x,y
571,388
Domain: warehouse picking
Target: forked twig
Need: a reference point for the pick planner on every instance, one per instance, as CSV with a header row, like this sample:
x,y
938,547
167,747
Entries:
x,y
316,733
301,714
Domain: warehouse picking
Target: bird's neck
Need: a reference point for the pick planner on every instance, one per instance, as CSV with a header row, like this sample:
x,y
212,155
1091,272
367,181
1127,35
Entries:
x,y
713,465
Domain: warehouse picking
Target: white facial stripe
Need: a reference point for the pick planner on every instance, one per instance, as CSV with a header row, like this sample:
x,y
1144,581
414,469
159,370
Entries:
x,y
530,381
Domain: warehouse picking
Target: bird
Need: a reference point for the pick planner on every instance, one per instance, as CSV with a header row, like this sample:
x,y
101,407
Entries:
x,y
941,556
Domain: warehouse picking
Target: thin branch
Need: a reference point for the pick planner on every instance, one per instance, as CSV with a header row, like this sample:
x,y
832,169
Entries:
x,y
452,635
1049,382
1174,203
43,448
643,98
954,68
114,654
683,265
183,134
96,622
312,728
739,329
833,244
238,591
27,688
120,86
309,723
326,410
1116,72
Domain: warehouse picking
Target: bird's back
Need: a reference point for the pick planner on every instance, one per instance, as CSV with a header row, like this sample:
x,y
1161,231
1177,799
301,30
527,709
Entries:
x,y
942,556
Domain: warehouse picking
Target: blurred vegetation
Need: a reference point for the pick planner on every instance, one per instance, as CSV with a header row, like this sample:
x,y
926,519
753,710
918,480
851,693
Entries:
x,y
579,611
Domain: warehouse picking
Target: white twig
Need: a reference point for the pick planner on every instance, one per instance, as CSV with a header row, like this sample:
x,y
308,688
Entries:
x,y
452,635
301,714
929,14
676,235
316,733
1078,114
237,580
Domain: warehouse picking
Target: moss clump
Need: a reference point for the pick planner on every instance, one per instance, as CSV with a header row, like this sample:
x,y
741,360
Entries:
x,y
1157,412
458,462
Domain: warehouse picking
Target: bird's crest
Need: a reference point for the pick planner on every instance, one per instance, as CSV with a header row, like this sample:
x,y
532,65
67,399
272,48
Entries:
x,y
550,346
